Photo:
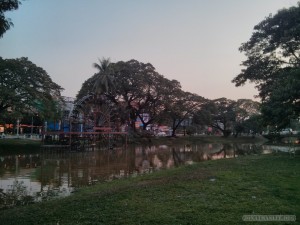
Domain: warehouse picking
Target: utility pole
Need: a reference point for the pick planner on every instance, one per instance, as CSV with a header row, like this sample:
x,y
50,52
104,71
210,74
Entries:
x,y
18,124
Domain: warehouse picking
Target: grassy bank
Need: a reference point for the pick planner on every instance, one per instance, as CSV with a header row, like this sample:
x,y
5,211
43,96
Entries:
x,y
211,192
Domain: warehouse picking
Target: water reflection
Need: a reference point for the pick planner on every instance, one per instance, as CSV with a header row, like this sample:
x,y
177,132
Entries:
x,y
15,195
58,173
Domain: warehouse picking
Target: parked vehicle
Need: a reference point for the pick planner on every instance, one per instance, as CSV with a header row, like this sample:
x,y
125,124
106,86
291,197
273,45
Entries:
x,y
285,131
161,134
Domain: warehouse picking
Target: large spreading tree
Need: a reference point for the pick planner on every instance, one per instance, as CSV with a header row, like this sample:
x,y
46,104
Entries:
x,y
181,108
135,88
27,88
141,94
273,64
219,114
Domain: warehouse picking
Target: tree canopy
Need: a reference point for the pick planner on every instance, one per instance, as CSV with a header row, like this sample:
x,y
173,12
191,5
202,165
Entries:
x,y
228,116
7,5
140,93
25,87
139,90
181,107
273,64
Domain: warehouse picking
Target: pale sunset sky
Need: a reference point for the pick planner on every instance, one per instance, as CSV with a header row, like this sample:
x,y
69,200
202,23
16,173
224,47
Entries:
x,y
193,41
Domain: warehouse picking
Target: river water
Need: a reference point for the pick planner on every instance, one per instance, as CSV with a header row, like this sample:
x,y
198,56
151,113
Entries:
x,y
59,173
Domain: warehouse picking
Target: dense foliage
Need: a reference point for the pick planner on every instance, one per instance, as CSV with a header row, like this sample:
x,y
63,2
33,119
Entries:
x,y
140,93
7,5
27,88
228,116
273,64
135,88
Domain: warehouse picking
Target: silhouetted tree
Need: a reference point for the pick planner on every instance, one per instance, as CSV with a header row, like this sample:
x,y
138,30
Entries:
x,y
273,64
25,87
7,5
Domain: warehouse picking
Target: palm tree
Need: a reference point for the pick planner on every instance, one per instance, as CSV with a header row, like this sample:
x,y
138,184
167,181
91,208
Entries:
x,y
104,77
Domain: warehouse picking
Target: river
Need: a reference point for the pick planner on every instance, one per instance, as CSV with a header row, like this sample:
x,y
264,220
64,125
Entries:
x,y
51,173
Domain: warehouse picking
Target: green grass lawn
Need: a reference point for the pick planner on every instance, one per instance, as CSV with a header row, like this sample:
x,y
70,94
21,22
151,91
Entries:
x,y
211,192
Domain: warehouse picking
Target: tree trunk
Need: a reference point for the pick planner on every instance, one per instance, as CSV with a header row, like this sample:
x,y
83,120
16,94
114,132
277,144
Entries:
x,y
226,133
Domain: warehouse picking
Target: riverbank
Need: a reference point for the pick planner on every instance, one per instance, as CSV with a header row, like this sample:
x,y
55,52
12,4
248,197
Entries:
x,y
25,145
210,192
202,139
19,145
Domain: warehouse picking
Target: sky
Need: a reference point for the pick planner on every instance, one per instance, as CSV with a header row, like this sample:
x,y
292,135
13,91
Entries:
x,y
192,41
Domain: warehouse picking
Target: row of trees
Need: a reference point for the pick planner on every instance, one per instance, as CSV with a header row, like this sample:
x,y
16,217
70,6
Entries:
x,y
137,88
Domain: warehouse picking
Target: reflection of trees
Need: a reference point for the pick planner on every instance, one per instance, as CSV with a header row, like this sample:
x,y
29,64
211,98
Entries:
x,y
146,159
176,157
15,162
223,153
46,172
200,156
62,170
246,149
238,149
84,168
233,149
163,156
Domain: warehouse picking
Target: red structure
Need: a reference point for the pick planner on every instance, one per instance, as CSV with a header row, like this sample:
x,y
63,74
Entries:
x,y
93,121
